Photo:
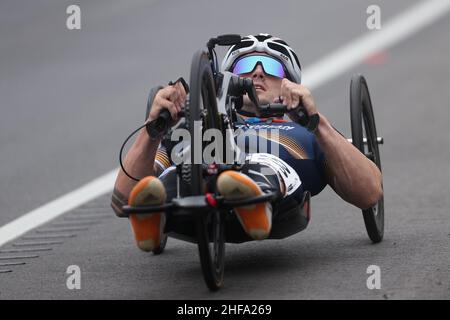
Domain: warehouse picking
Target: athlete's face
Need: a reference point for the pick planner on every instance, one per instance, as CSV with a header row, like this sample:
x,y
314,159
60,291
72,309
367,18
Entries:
x,y
267,87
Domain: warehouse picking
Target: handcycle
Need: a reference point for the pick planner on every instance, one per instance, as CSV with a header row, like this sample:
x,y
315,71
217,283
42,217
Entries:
x,y
205,217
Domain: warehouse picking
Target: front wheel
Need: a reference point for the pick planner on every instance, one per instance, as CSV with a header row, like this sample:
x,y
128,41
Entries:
x,y
211,247
201,114
363,128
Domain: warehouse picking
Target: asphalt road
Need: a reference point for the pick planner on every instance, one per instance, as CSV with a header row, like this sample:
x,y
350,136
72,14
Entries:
x,y
69,98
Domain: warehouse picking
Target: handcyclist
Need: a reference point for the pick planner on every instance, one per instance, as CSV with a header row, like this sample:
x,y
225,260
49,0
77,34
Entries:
x,y
315,156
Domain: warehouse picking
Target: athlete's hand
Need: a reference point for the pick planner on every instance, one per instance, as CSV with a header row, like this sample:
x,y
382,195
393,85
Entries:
x,y
292,94
172,98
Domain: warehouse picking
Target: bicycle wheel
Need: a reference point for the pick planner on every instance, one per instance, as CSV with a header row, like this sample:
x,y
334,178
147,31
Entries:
x,y
363,126
202,109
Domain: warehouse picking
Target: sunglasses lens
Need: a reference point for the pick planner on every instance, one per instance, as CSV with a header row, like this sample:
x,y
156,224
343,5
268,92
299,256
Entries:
x,y
270,65
273,67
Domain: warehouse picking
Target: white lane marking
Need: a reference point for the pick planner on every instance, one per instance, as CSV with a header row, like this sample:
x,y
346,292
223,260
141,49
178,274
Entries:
x,y
55,208
400,27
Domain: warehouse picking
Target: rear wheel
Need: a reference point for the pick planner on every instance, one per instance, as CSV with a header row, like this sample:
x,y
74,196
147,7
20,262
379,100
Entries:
x,y
201,114
363,126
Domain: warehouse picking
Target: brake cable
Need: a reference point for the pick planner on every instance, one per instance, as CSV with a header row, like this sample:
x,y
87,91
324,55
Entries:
x,y
121,151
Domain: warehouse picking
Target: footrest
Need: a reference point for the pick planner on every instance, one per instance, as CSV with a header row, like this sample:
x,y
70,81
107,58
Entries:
x,y
127,210
255,200
196,203
188,203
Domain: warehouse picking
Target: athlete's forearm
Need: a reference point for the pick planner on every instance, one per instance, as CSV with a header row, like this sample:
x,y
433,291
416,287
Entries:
x,y
352,175
139,162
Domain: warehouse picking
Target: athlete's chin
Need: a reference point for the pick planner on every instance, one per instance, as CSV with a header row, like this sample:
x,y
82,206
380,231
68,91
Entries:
x,y
263,99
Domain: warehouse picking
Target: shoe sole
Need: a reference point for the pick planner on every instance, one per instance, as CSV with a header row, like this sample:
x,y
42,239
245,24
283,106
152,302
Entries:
x,y
256,219
147,229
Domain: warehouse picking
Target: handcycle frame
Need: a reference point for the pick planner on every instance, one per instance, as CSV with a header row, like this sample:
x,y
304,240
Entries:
x,y
204,217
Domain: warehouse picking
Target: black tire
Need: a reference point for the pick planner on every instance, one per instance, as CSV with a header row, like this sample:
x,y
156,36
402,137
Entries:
x,y
162,245
209,225
363,125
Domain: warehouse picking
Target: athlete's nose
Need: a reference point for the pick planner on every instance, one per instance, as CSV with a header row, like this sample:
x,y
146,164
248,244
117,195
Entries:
x,y
258,72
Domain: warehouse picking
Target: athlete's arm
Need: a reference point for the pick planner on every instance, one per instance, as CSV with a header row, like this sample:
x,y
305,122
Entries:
x,y
139,162
140,159
351,174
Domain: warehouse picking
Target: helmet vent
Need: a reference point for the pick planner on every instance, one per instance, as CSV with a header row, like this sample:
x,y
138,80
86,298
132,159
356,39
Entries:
x,y
238,46
278,48
296,59
243,44
263,37
280,41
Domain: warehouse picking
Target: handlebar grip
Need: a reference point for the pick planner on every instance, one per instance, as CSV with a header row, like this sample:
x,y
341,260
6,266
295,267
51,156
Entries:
x,y
160,125
300,116
272,110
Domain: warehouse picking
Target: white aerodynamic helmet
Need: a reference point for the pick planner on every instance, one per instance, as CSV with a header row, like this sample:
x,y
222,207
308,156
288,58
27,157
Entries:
x,y
266,43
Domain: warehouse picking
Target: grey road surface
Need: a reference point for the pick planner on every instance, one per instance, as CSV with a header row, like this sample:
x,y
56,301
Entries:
x,y
68,98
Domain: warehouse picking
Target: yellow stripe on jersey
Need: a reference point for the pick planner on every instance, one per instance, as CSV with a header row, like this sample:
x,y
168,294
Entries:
x,y
163,158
